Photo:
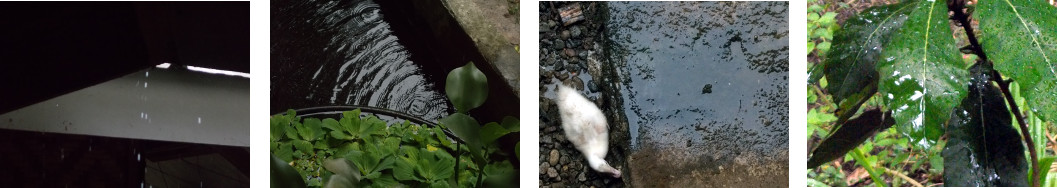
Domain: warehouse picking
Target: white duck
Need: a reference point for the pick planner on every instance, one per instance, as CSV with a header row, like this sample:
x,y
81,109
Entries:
x,y
585,126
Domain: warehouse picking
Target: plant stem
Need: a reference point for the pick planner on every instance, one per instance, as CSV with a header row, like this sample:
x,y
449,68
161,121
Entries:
x,y
874,175
1004,85
958,7
902,176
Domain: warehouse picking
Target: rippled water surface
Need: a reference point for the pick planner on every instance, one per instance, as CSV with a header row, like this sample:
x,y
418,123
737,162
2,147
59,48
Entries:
x,y
704,88
347,53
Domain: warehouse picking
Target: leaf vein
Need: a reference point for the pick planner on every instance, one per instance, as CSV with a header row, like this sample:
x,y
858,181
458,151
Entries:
x,y
1034,40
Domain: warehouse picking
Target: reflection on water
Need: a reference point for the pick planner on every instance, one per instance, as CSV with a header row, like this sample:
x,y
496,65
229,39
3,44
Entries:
x,y
704,86
344,53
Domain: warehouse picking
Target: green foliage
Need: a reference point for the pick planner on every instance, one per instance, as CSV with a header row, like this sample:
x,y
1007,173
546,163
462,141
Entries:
x,y
467,88
1019,37
282,175
820,27
984,149
921,77
363,151
901,57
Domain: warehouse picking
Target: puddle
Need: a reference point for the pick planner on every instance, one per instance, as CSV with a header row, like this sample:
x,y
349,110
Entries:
x,y
700,89
704,86
346,53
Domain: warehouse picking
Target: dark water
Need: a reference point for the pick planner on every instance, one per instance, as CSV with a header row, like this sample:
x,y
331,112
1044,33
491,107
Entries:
x,y
347,53
704,88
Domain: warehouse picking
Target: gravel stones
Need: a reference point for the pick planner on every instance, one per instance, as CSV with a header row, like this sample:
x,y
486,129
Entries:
x,y
591,86
575,31
554,156
575,82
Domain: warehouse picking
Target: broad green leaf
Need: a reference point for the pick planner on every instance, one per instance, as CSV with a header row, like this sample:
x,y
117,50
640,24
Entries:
x,y
499,174
406,164
467,87
311,130
816,118
810,47
291,131
277,124
385,182
332,124
285,152
467,129
436,165
376,157
814,8
303,146
282,175
1019,36
492,131
921,75
828,19
321,145
850,63
983,149
823,47
849,136
340,135
372,126
511,124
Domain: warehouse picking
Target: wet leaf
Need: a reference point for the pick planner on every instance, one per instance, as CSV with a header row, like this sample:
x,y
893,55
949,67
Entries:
x,y
1019,36
467,87
921,74
983,149
849,136
849,64
282,175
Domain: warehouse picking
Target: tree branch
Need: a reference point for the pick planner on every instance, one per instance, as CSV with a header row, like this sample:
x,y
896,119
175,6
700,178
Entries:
x,y
904,177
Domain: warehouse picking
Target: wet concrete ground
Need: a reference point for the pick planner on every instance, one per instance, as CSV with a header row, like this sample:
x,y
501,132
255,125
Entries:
x,y
695,92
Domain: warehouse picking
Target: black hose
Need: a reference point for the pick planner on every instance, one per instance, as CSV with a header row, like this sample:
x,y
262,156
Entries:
x,y
337,110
